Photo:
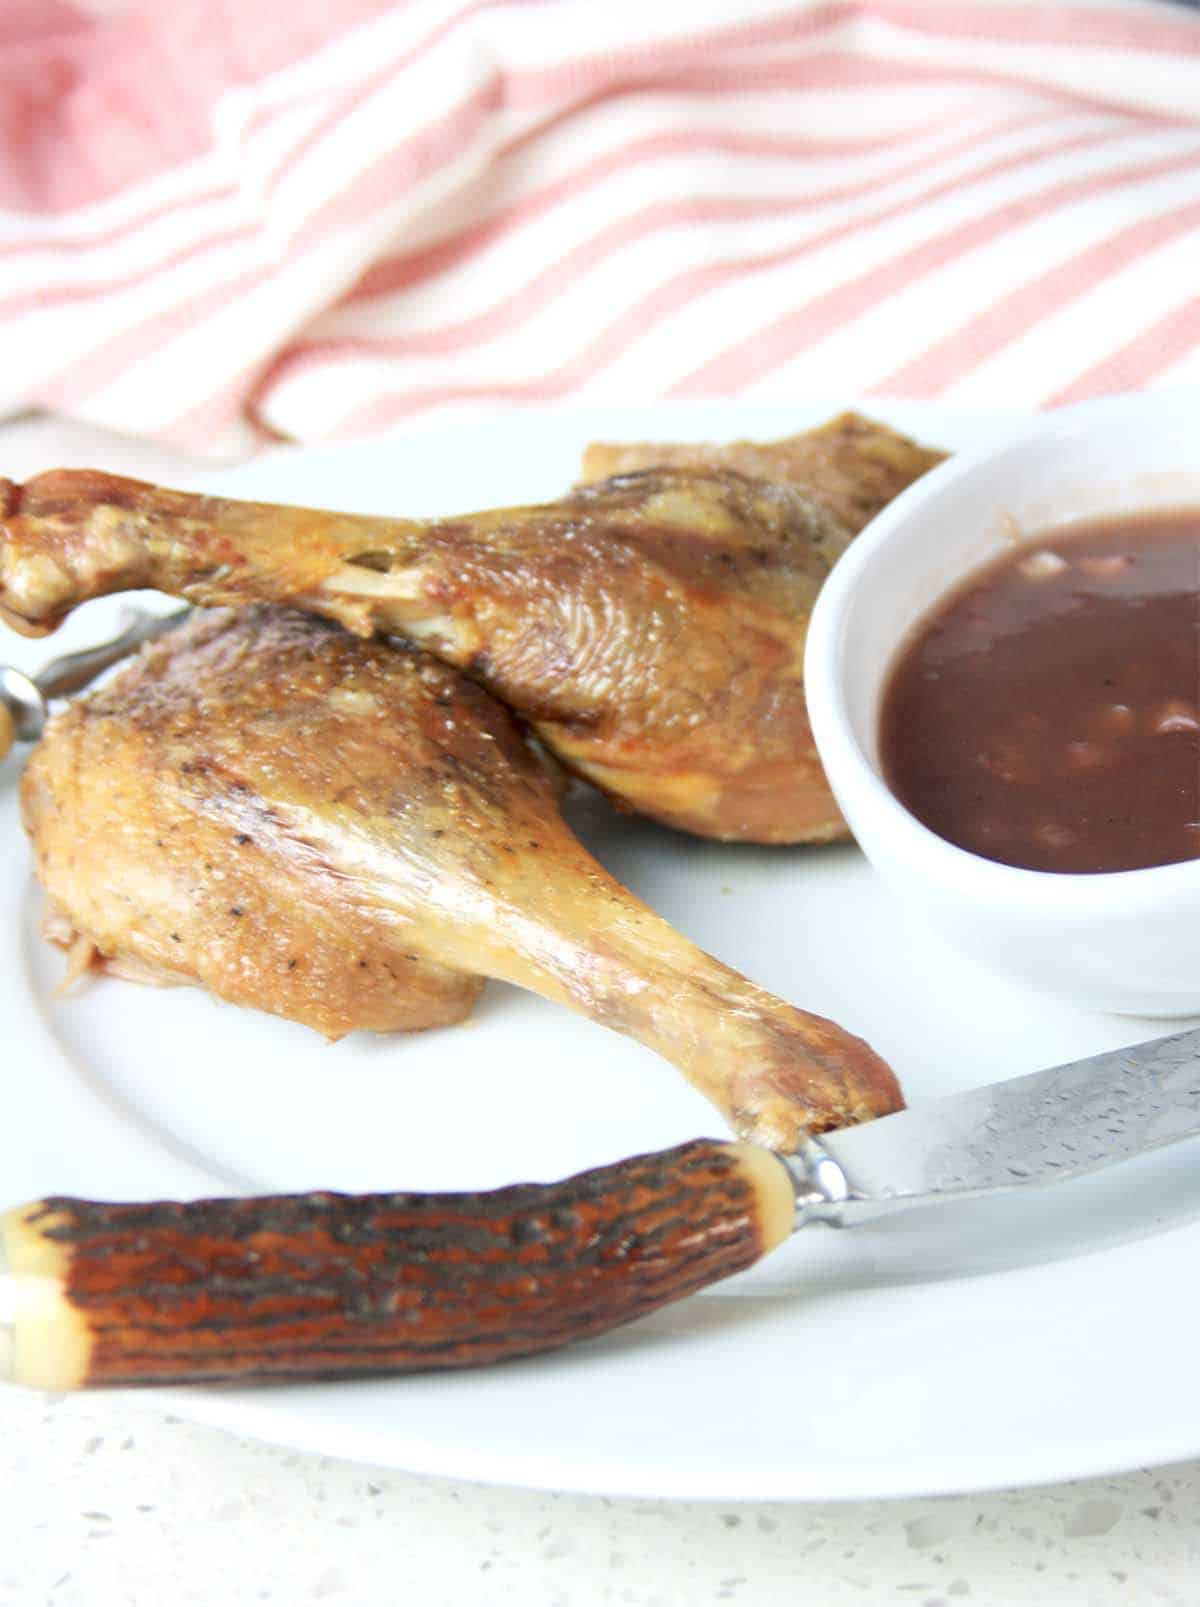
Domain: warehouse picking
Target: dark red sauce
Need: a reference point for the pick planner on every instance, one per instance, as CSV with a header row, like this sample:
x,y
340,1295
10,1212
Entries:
x,y
1048,714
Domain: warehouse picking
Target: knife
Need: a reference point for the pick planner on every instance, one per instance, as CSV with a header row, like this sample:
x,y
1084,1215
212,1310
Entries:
x,y
325,1284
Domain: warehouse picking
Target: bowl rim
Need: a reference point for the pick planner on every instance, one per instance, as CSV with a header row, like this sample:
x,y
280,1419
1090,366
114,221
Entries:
x,y
1070,893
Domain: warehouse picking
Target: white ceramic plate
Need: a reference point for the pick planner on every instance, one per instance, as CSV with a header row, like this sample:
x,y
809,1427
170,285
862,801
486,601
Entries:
x,y
1048,1337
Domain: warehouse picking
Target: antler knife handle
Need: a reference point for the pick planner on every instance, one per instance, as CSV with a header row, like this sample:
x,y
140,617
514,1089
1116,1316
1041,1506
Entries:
x,y
336,1284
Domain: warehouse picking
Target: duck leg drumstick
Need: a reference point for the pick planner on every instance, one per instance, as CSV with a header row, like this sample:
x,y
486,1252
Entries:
x,y
650,628
350,834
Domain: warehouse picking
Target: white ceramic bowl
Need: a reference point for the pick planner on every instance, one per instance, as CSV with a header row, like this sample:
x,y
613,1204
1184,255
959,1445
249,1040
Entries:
x,y
1127,941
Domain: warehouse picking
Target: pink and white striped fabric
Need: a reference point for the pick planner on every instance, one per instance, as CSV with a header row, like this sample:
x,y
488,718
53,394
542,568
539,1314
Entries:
x,y
216,226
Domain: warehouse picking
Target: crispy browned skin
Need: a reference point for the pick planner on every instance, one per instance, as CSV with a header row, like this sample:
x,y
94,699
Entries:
x,y
853,466
650,628
349,834
153,840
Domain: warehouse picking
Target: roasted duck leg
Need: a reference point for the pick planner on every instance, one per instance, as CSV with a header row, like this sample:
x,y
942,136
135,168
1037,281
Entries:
x,y
650,628
853,466
352,834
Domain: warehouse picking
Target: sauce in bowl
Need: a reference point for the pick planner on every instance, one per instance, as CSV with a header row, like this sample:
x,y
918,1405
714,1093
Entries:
x,y
1047,715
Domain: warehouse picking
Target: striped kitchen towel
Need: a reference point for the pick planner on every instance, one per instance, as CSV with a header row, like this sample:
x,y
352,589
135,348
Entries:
x,y
222,223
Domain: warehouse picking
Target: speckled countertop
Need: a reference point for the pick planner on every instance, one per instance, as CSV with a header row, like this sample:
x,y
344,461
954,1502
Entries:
x,y
109,1503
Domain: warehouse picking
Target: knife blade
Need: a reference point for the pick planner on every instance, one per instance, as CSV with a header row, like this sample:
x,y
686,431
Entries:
x,y
1047,1127
326,1284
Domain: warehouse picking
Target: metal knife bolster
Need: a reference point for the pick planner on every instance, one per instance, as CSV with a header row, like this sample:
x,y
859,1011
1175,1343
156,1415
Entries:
x,y
24,701
823,1191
